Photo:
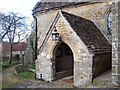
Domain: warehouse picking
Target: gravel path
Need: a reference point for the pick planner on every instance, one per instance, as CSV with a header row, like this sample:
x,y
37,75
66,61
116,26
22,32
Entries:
x,y
10,81
43,84
55,84
8,77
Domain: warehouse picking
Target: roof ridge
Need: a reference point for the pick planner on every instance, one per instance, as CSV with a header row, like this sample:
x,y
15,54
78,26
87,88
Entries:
x,y
45,6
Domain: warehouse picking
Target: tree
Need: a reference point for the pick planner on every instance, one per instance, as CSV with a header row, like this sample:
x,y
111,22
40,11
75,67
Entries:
x,y
14,28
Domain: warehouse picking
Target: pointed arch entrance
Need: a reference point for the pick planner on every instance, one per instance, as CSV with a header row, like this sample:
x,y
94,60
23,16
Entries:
x,y
64,63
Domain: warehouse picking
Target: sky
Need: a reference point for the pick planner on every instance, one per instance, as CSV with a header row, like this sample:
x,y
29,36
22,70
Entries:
x,y
23,6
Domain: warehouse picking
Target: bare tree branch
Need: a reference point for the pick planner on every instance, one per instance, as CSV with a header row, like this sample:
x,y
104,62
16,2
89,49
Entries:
x,y
13,26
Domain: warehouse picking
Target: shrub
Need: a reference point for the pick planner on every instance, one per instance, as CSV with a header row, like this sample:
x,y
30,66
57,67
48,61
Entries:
x,y
32,67
26,74
17,56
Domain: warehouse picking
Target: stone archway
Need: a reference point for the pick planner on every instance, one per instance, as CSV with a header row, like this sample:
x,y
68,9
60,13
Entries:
x,y
64,63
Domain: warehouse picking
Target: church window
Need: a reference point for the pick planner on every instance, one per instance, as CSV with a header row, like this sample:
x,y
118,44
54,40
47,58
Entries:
x,y
110,23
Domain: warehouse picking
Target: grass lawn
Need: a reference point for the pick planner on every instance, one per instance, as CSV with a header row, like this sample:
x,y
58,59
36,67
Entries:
x,y
7,64
29,75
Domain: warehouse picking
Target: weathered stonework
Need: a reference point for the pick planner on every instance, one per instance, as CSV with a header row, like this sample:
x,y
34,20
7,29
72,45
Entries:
x,y
83,58
116,43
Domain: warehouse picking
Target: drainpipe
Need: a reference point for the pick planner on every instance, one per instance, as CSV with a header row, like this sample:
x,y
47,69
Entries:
x,y
35,36
35,39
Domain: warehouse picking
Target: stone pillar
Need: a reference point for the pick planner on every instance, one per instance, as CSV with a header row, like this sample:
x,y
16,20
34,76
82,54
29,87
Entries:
x,y
116,43
83,70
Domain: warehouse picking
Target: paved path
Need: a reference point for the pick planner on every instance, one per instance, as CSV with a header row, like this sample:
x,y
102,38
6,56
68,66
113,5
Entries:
x,y
107,76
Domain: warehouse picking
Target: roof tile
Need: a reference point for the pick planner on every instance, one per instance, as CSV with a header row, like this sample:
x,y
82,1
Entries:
x,y
17,47
89,33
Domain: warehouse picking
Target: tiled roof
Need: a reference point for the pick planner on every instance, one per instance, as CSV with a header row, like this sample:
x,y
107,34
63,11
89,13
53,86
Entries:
x,y
17,47
20,46
89,33
45,6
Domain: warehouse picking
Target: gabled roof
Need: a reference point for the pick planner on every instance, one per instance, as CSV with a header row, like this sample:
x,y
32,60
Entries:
x,y
46,6
16,47
20,46
89,33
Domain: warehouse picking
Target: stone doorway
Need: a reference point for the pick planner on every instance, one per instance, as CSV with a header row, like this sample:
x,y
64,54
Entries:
x,y
64,63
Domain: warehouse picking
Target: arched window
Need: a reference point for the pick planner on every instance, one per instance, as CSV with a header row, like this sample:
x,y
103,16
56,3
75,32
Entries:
x,y
110,23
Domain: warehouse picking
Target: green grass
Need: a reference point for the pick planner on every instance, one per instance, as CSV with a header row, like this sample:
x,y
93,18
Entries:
x,y
5,64
26,75
32,67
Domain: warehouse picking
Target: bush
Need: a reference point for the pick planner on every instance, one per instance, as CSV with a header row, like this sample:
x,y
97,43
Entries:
x,y
26,74
17,56
32,67
7,64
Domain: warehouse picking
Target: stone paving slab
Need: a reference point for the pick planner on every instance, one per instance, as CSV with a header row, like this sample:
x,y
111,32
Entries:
x,y
107,76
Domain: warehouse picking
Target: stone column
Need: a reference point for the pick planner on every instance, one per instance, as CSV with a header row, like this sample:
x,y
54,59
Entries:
x,y
116,43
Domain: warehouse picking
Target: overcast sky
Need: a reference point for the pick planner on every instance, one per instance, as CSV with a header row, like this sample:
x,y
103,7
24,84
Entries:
x,y
23,6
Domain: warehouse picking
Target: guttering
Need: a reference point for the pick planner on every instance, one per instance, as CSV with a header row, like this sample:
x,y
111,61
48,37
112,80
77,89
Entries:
x,y
101,32
35,36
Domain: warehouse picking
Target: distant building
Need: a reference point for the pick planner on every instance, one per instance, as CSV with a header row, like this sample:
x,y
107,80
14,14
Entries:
x,y
18,48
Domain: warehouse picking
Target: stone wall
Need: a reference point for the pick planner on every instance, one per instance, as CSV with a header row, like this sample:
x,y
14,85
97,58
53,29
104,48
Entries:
x,y
101,63
116,43
5,53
